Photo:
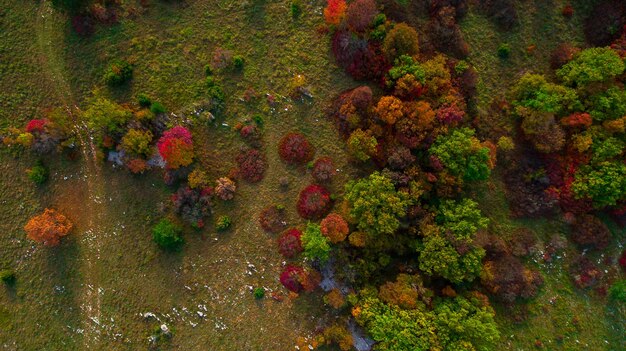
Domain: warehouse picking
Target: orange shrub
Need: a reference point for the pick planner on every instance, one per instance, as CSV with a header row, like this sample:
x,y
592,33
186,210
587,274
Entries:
x,y
48,227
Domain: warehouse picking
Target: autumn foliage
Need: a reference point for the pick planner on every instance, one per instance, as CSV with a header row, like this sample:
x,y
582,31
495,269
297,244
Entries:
x,y
48,227
335,11
294,148
289,243
335,228
176,147
314,202
252,165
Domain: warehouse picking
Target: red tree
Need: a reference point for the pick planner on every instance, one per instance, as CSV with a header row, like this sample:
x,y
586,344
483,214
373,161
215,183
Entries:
x,y
314,202
176,147
289,243
294,148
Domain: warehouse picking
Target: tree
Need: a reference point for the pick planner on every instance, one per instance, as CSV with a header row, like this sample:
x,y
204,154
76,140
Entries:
x,y
290,243
316,246
447,249
591,65
604,183
48,227
533,91
106,115
335,228
136,142
334,11
197,179
362,145
176,147
462,154
294,148
376,205
225,189
401,40
389,109
167,235
404,66
360,14
252,165
314,202
323,169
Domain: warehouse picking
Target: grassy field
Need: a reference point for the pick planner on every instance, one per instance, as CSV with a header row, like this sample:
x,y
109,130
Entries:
x,y
91,292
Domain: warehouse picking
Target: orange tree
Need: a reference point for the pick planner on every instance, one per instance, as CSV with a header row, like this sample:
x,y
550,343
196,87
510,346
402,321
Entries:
x,y
48,227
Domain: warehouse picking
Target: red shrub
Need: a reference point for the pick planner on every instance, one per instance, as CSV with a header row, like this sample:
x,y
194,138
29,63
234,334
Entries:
x,y
360,14
508,279
251,134
273,219
323,169
334,11
622,260
36,125
450,115
585,273
252,165
335,228
578,119
290,278
314,202
362,60
294,148
289,243
176,147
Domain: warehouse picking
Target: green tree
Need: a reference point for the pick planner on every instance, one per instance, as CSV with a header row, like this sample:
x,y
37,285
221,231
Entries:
x,y
591,65
448,249
533,91
607,105
167,235
604,183
137,142
316,245
376,204
462,154
362,145
106,115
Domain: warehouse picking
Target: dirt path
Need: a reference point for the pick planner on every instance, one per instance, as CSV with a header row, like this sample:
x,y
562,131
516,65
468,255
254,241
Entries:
x,y
49,40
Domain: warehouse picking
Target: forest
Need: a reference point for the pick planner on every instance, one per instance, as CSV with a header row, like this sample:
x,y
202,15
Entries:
x,y
384,175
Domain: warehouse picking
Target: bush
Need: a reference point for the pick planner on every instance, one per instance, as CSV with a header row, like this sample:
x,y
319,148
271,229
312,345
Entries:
x,y
118,73
316,246
604,183
504,51
167,235
258,293
323,169
238,62
176,147
290,243
362,145
590,232
222,223
38,174
335,228
225,189
508,279
445,34
360,14
401,40
252,165
8,276
291,276
48,227
137,142
193,204
296,8
294,148
389,109
144,100
103,114
314,202
157,108
273,219
585,273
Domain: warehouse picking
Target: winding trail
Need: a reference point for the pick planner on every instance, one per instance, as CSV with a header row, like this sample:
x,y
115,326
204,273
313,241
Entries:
x,y
50,43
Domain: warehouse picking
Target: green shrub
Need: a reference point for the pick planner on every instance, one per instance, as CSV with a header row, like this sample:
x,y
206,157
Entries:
x,y
617,291
156,108
504,51
296,8
106,114
167,235
258,120
7,276
144,100
38,174
208,71
461,67
316,245
118,73
222,223
238,62
258,293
